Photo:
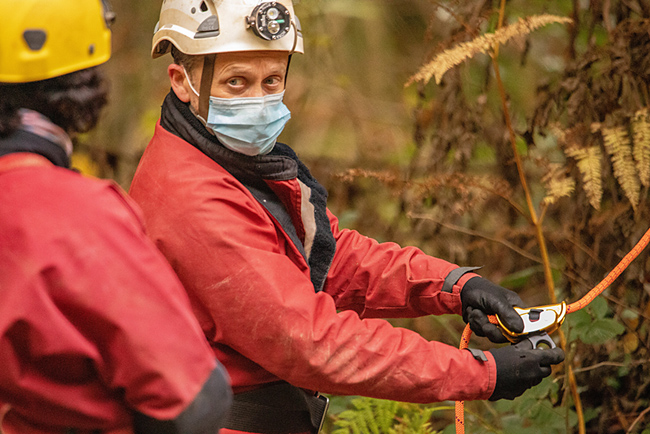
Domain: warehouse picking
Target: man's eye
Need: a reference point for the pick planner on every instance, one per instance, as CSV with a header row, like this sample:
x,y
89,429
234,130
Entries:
x,y
235,81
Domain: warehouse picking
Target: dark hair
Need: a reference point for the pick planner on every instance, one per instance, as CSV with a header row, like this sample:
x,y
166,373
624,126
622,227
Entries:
x,y
73,101
189,61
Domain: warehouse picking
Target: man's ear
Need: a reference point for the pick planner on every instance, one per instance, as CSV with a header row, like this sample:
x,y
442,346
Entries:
x,y
179,83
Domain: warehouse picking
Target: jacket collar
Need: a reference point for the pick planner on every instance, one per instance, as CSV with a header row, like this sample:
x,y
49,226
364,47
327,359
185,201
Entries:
x,y
23,141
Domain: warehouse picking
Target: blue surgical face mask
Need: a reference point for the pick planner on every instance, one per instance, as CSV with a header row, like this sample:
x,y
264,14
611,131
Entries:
x,y
249,126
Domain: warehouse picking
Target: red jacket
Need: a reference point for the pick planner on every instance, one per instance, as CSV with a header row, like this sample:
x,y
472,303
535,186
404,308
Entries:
x,y
251,291
93,322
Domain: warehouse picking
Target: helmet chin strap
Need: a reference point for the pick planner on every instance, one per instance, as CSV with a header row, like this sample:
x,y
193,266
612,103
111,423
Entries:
x,y
206,84
293,50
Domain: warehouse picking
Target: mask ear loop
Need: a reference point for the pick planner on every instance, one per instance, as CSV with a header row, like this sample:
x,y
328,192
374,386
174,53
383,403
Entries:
x,y
206,85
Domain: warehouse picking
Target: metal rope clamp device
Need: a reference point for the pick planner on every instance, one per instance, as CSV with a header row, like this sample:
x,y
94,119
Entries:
x,y
539,322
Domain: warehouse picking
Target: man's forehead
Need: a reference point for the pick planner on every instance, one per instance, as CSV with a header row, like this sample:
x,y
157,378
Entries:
x,y
247,59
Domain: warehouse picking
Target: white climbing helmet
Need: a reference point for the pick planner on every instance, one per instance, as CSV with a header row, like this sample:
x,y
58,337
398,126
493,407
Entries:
x,y
199,27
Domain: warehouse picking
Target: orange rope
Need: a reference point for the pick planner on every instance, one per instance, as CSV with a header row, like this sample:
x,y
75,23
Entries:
x,y
460,405
613,275
573,307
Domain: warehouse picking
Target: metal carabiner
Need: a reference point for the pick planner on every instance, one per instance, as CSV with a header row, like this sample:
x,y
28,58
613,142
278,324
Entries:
x,y
539,322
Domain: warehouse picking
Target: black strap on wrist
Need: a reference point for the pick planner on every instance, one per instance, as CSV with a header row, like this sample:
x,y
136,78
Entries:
x,y
478,354
454,276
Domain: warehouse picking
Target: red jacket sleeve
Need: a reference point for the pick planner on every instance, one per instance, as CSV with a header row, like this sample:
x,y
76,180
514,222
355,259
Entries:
x,y
384,280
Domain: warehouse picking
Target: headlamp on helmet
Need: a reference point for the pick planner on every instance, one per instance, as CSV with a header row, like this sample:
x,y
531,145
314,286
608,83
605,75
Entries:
x,y
270,21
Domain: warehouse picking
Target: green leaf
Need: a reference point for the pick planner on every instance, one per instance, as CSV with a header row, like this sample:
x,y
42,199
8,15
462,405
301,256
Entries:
x,y
484,153
591,413
548,417
599,307
520,278
544,389
527,406
578,322
601,330
522,146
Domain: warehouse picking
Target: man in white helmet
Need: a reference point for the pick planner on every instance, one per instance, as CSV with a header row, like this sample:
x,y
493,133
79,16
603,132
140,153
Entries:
x,y
289,302
96,332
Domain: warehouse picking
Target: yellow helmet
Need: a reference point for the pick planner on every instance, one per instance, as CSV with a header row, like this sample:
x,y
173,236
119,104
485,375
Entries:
x,y
200,27
46,39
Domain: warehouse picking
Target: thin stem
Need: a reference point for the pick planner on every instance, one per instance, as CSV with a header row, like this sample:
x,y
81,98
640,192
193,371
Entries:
x,y
476,234
637,420
524,184
535,221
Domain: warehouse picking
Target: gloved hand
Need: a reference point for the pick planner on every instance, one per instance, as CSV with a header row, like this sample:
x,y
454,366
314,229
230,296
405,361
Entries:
x,y
520,367
481,298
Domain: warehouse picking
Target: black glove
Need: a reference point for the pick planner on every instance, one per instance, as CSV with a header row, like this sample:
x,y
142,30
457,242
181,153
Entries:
x,y
520,367
481,298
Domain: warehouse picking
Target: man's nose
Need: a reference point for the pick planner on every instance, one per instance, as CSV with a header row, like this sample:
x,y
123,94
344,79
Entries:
x,y
256,91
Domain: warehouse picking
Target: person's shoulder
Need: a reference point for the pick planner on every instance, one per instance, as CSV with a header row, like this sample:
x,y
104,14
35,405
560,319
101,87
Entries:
x,y
42,185
78,190
170,159
174,172
51,203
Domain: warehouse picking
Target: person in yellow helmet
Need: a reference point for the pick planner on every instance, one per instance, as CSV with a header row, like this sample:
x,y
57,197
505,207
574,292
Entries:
x,y
290,302
96,331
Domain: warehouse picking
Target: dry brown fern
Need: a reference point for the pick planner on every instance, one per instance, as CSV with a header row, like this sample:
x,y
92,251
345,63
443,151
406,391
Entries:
x,y
589,162
618,146
385,177
641,130
446,60
557,184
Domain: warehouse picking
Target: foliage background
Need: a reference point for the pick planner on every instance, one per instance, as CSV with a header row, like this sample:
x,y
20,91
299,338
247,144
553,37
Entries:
x,y
431,165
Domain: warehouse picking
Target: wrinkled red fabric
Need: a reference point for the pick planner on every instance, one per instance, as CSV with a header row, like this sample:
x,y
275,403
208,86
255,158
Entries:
x,y
93,321
251,291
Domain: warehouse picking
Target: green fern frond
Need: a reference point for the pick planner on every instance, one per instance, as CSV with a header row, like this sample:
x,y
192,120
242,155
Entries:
x,y
364,413
589,162
371,422
369,416
618,146
377,416
641,129
386,415
417,422
557,184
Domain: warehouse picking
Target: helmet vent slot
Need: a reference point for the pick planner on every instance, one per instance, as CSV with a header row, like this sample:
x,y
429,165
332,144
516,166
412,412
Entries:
x,y
35,39
203,7
209,28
